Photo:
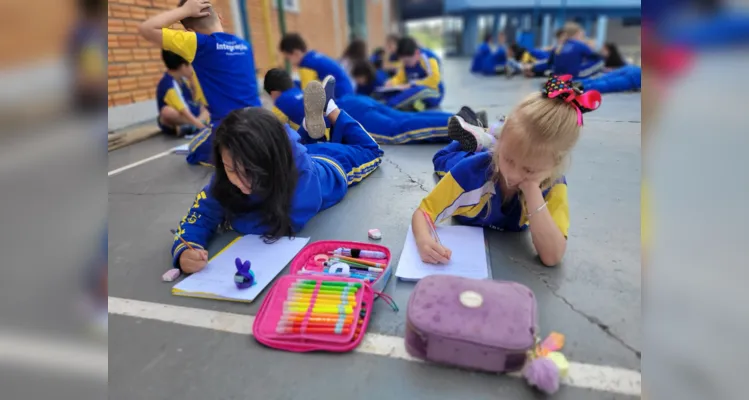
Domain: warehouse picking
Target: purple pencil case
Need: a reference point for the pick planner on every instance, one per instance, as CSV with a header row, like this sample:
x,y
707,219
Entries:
x,y
476,324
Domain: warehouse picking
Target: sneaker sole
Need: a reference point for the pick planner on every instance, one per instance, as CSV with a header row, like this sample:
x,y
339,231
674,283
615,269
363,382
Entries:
x,y
456,132
314,109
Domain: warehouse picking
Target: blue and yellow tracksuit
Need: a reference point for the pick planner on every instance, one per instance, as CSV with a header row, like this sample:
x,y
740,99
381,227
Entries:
x,y
325,169
494,61
426,83
384,124
484,50
624,79
316,66
225,66
576,58
381,78
539,59
179,94
467,193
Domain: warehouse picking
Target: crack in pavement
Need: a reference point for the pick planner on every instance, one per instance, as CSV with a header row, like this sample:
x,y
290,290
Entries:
x,y
592,319
410,178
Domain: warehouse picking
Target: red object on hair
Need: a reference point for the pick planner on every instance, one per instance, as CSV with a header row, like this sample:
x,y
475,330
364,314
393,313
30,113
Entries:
x,y
561,87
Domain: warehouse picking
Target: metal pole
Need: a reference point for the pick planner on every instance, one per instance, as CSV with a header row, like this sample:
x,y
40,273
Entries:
x,y
282,26
564,11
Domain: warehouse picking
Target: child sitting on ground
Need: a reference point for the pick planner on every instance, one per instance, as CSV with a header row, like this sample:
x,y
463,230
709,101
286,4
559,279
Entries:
x,y
223,63
513,181
420,75
368,77
268,183
574,56
182,108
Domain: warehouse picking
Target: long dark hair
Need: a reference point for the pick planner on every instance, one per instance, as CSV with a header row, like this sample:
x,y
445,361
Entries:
x,y
261,151
614,59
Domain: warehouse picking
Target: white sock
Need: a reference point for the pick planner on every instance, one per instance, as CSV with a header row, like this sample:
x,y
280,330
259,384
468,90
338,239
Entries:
x,y
304,123
332,106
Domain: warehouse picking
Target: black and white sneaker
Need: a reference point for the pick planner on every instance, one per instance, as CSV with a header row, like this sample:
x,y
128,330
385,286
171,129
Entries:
x,y
317,95
468,115
472,138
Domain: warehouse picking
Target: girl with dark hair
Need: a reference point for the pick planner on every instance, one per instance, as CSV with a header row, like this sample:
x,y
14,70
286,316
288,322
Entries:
x,y
267,182
613,58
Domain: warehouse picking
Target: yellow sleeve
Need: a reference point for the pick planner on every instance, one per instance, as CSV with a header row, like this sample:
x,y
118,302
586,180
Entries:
x,y
197,91
399,78
432,81
559,207
180,42
527,58
280,115
449,199
307,75
174,99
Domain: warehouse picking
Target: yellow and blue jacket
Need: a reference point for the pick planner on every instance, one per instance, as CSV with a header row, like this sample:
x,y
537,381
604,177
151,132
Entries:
x,y
316,66
223,63
427,72
180,94
468,193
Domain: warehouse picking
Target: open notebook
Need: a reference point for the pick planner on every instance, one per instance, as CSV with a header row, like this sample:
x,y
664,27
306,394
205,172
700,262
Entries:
x,y
216,280
469,255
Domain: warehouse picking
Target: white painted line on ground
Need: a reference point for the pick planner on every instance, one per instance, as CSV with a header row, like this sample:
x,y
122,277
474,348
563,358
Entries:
x,y
24,350
587,376
141,162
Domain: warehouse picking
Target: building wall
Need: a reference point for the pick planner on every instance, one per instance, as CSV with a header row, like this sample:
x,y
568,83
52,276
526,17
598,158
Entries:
x,y
135,65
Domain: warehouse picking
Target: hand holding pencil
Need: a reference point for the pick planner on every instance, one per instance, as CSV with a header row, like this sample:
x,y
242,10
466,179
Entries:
x,y
192,260
428,242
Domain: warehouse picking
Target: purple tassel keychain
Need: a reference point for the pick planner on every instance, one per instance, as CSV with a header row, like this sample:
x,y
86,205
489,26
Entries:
x,y
244,278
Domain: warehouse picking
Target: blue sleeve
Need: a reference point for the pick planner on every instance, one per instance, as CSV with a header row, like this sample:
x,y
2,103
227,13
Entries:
x,y
586,51
200,223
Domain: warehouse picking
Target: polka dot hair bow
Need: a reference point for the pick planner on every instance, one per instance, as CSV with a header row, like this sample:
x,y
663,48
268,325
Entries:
x,y
562,87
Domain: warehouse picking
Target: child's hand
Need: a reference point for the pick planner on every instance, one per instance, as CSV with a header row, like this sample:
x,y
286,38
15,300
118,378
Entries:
x,y
529,185
433,253
193,261
197,8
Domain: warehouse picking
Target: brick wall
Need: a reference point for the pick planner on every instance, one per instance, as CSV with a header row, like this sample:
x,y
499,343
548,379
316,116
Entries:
x,y
375,28
135,65
45,38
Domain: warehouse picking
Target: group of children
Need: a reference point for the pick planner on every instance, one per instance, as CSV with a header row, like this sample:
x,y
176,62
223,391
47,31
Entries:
x,y
276,170
602,69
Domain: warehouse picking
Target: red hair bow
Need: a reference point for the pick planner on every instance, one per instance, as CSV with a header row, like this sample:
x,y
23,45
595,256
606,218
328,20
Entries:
x,y
563,88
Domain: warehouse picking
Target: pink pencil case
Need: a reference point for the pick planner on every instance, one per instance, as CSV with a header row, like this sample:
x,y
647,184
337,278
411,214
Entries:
x,y
306,258
267,321
475,324
269,327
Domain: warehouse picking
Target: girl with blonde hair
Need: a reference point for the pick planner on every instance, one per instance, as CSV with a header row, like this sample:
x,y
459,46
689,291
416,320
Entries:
x,y
512,178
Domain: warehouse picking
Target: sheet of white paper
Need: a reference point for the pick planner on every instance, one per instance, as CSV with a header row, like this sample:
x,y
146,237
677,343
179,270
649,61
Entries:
x,y
468,255
182,149
216,280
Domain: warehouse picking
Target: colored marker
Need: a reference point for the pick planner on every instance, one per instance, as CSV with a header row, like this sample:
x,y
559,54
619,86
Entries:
x,y
320,309
321,296
329,283
357,253
365,262
318,331
298,304
347,319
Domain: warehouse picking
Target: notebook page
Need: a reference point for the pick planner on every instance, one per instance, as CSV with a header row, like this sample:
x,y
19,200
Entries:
x,y
468,259
217,278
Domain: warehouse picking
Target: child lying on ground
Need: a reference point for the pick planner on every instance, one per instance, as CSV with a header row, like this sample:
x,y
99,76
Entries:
x,y
384,124
267,183
513,181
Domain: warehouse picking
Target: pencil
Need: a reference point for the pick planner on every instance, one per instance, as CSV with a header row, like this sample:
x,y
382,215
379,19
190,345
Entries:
x,y
185,242
432,227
